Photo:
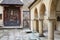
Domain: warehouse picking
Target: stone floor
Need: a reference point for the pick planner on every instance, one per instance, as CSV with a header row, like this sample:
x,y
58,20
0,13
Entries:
x,y
20,34
17,34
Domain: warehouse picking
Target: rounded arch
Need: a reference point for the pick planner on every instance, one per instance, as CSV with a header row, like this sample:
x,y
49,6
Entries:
x,y
35,12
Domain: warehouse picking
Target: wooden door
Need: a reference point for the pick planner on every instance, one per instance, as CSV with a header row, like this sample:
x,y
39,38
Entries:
x,y
12,16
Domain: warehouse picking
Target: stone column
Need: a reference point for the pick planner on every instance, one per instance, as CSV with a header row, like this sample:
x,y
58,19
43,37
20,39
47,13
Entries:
x,y
34,28
31,25
50,30
21,25
41,27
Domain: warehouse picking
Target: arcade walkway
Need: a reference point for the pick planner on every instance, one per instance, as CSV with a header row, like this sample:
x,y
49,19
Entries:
x,y
20,34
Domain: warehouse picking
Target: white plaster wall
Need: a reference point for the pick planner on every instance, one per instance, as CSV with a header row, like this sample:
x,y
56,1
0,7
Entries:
x,y
1,12
1,9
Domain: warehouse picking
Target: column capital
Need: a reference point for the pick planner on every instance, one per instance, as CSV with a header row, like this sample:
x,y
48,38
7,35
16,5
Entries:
x,y
35,19
41,19
51,19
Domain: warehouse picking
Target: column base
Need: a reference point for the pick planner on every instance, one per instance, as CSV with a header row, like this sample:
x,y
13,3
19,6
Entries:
x,y
41,36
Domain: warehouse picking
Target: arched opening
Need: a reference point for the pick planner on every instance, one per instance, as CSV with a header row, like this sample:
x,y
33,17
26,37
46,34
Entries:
x,y
41,21
52,9
36,19
35,13
42,11
42,14
41,17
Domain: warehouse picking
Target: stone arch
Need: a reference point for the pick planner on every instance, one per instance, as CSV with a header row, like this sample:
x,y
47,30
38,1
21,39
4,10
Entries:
x,y
36,13
42,25
42,13
53,8
42,10
53,12
36,19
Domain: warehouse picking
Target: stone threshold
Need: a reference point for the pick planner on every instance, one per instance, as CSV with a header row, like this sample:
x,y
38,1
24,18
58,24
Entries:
x,y
11,27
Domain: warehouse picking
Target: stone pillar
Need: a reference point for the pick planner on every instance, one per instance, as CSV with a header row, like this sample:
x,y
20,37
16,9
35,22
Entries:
x,y
41,27
31,25
21,25
36,25
34,28
50,30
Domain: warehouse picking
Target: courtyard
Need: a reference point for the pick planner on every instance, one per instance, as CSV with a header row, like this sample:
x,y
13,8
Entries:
x,y
29,20
23,34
